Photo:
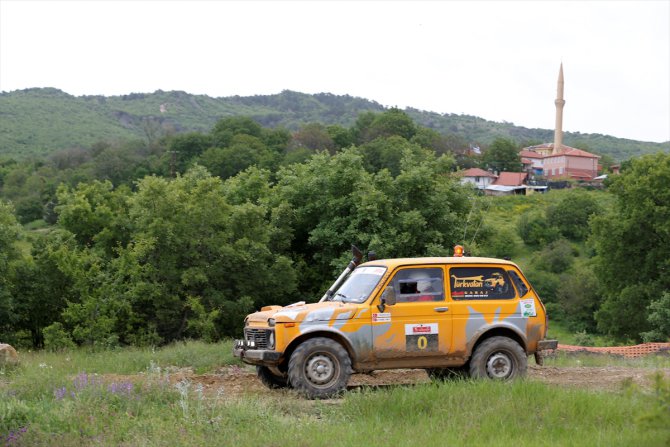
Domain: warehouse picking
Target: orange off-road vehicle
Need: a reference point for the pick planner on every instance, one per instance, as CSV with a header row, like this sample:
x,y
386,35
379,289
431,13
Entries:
x,y
457,315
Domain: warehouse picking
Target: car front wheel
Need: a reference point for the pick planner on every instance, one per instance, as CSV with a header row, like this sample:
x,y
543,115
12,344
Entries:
x,y
319,368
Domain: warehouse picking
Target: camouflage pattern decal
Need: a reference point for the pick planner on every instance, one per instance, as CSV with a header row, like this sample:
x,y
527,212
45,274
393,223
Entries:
x,y
477,322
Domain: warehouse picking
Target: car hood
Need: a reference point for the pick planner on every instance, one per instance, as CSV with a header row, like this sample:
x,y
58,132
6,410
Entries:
x,y
301,312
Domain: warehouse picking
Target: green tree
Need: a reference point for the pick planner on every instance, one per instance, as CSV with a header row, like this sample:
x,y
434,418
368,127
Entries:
x,y
659,319
556,257
632,243
502,155
243,151
186,147
10,231
190,243
333,201
225,129
95,213
370,126
578,296
43,287
388,153
341,136
503,244
313,136
572,213
535,230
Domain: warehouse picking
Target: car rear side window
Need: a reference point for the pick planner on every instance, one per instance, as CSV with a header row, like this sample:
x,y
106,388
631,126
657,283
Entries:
x,y
521,286
480,283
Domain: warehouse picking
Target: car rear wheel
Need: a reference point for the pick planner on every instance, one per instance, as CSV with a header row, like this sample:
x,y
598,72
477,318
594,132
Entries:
x,y
499,358
319,368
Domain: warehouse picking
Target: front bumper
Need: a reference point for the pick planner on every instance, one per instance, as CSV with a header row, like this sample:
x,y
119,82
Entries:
x,y
246,352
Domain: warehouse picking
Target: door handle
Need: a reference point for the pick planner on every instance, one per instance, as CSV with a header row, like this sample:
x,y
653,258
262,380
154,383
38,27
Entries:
x,y
441,309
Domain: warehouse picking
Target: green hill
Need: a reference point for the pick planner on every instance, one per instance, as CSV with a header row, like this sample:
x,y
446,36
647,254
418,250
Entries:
x,y
45,120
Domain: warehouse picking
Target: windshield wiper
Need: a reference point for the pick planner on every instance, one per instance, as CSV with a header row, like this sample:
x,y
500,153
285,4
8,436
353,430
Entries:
x,y
344,297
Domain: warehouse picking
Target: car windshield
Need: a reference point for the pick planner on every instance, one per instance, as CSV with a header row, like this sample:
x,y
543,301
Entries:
x,y
359,285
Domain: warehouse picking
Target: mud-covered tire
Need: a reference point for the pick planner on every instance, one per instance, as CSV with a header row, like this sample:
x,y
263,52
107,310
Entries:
x,y
499,358
270,379
319,368
441,374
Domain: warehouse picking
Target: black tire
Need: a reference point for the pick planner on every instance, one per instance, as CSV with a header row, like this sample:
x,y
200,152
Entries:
x,y
270,379
440,374
499,358
319,368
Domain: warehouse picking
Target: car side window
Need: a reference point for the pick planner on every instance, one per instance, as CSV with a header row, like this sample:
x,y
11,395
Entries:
x,y
480,283
419,284
521,287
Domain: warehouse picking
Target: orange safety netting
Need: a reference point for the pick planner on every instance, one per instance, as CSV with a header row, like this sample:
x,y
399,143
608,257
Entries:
x,y
625,351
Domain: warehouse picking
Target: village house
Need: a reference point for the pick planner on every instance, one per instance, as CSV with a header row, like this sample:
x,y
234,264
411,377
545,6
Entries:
x,y
477,177
508,183
568,162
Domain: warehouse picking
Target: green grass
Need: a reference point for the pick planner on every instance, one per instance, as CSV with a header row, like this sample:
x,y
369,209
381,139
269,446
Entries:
x,y
62,399
650,362
558,331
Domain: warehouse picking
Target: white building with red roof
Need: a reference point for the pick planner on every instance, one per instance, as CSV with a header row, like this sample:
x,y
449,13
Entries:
x,y
477,177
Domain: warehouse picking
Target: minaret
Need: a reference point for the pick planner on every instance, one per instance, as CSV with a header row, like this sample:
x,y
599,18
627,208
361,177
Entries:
x,y
560,102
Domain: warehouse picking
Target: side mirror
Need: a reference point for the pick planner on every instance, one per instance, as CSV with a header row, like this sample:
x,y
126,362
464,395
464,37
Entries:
x,y
387,299
389,295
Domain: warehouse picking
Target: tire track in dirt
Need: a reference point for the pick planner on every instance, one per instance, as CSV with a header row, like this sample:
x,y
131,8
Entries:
x,y
235,381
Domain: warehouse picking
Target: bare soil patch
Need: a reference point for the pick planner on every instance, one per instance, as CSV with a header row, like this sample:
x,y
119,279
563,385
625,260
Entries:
x,y
236,381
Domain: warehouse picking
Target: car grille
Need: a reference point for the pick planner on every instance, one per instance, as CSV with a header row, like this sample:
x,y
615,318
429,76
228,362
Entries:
x,y
260,337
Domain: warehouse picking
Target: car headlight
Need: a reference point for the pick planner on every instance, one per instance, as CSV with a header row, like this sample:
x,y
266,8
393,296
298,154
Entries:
x,y
271,340
271,322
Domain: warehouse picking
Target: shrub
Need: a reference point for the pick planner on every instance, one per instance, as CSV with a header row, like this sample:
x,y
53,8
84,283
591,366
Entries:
x,y
56,338
557,257
503,244
571,215
535,230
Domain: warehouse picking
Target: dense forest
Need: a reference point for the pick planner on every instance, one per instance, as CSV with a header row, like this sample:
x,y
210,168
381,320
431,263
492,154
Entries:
x,y
43,121
179,235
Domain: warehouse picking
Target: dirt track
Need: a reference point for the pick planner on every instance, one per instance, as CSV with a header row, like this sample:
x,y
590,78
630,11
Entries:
x,y
237,381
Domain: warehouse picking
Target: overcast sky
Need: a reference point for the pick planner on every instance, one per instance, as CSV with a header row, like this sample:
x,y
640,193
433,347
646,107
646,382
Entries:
x,y
497,60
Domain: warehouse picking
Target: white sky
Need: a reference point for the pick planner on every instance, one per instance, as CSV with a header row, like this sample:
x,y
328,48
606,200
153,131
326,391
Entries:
x,y
497,60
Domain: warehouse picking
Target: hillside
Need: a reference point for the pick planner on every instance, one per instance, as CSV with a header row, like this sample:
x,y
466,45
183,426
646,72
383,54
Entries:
x,y
42,121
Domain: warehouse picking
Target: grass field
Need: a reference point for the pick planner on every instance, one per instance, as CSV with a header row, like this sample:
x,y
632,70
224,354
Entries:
x,y
134,397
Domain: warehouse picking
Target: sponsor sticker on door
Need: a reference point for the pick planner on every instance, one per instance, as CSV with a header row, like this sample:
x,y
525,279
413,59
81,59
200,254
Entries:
x,y
421,337
381,317
528,308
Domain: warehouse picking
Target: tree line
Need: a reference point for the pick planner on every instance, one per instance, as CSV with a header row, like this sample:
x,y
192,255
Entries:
x,y
182,236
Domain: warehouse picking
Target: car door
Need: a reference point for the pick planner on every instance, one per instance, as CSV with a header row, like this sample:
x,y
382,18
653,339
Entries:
x,y
417,328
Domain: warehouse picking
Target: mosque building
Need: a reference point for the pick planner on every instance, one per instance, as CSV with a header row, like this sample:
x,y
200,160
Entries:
x,y
556,160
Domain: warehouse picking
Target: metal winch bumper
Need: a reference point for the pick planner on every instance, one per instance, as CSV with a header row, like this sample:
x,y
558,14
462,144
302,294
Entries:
x,y
249,352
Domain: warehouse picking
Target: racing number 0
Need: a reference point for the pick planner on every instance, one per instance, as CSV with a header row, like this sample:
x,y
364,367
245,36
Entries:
x,y
422,342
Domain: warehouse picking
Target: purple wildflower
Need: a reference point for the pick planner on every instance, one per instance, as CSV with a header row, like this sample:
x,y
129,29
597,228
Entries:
x,y
81,381
122,389
60,393
15,435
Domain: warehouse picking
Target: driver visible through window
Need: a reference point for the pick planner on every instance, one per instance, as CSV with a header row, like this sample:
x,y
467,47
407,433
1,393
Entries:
x,y
420,284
